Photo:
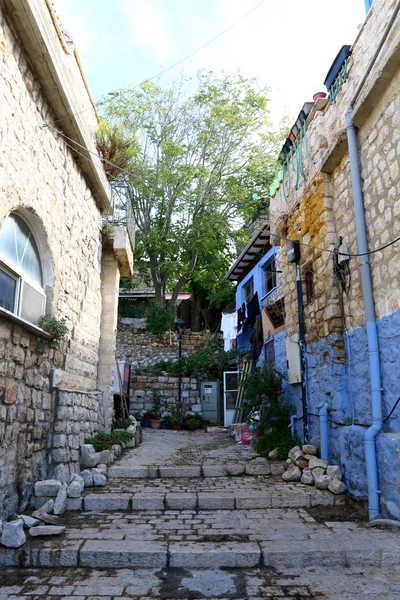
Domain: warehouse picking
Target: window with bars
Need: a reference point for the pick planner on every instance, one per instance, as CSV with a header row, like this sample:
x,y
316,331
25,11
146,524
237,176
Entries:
x,y
248,289
270,276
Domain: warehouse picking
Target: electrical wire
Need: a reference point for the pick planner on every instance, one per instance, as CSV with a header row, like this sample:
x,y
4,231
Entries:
x,y
391,412
175,64
261,252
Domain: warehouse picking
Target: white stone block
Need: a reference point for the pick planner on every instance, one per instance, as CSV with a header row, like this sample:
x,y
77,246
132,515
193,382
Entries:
x,y
49,487
60,504
13,535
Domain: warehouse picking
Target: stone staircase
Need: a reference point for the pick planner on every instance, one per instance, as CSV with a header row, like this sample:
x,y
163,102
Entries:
x,y
197,500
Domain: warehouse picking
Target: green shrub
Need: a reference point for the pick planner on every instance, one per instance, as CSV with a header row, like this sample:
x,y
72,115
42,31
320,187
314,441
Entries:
x,y
160,319
55,327
263,394
105,441
121,423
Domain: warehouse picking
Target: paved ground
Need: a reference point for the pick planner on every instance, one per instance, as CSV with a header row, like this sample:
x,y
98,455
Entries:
x,y
245,584
203,536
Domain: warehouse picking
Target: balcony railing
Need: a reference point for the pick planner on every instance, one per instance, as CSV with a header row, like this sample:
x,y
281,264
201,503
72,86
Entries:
x,y
121,214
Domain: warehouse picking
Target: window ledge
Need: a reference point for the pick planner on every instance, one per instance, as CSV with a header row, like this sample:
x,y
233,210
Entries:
x,y
6,314
273,291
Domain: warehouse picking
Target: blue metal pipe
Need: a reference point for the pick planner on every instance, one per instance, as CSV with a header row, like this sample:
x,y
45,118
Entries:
x,y
323,429
292,420
370,323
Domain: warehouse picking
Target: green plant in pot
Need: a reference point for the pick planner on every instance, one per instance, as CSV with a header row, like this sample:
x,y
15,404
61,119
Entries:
x,y
156,411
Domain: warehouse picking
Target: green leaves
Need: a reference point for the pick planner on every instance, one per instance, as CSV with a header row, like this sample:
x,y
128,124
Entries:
x,y
202,148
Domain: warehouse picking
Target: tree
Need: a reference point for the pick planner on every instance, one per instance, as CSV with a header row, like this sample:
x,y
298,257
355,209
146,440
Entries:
x,y
197,164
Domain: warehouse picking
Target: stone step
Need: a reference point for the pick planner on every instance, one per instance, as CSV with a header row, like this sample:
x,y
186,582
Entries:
x,y
253,468
211,500
104,554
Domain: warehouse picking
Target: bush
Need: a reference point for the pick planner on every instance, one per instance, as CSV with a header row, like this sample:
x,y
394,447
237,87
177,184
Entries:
x,y
263,395
160,319
208,362
55,327
105,441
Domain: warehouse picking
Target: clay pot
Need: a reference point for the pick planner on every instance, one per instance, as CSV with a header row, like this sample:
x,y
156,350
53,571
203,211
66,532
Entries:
x,y
177,426
319,95
155,423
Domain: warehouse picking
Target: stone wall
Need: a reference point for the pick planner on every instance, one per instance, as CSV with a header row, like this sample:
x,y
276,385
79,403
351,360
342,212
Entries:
x,y
320,211
43,182
144,386
143,350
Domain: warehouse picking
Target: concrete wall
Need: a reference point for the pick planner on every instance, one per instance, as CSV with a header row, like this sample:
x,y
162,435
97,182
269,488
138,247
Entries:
x,y
317,214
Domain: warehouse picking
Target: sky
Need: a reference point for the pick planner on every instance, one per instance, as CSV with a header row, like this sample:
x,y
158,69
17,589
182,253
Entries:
x,y
287,44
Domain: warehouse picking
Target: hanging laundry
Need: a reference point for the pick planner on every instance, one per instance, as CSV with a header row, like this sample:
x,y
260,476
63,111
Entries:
x,y
241,318
229,329
253,310
257,339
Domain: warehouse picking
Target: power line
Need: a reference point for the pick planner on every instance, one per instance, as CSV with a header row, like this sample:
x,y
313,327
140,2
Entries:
x,y
261,252
177,63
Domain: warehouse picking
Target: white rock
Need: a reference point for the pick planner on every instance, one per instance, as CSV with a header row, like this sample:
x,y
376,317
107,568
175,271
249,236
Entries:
x,y
292,474
273,455
13,535
87,477
336,486
317,462
290,462
293,450
99,479
74,489
46,518
47,507
297,454
310,449
132,429
307,477
117,449
103,469
79,479
334,472
60,505
49,487
301,462
46,530
29,521
318,472
88,455
322,482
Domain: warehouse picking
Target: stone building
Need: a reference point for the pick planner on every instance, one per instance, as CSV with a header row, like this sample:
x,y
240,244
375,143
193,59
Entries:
x,y
313,202
55,256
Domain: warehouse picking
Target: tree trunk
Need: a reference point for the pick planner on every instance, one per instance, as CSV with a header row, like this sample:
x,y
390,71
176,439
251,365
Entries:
x,y
196,313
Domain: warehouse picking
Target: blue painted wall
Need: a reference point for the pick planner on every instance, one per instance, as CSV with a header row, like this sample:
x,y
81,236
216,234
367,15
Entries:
x,y
346,388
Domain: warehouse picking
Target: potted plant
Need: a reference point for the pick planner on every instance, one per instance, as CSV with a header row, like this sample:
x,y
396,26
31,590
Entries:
x,y
319,95
156,411
146,420
175,415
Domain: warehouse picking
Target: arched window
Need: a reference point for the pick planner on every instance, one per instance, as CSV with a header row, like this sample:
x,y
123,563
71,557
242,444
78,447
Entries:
x,y
21,279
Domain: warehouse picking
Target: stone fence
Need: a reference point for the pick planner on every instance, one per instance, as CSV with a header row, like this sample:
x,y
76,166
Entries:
x,y
143,388
143,350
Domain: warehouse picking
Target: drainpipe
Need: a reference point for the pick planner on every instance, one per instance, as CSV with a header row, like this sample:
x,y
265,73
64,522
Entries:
x,y
300,309
370,320
323,428
293,418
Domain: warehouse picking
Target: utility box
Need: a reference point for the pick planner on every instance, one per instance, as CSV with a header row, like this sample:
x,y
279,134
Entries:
x,y
209,391
293,358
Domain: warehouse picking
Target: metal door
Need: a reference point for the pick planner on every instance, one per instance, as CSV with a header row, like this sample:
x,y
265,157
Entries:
x,y
231,388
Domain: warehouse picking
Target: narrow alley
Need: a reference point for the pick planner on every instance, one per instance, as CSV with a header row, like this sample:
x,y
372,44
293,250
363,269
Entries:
x,y
196,515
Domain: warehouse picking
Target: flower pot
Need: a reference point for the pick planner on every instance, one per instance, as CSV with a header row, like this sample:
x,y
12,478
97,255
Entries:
x,y
192,427
177,426
184,426
319,95
292,137
155,423
145,423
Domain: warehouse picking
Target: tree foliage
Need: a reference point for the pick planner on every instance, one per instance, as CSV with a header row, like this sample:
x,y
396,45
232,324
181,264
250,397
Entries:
x,y
204,148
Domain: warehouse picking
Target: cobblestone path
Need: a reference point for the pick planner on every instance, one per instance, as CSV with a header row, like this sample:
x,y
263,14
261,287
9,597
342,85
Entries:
x,y
194,515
